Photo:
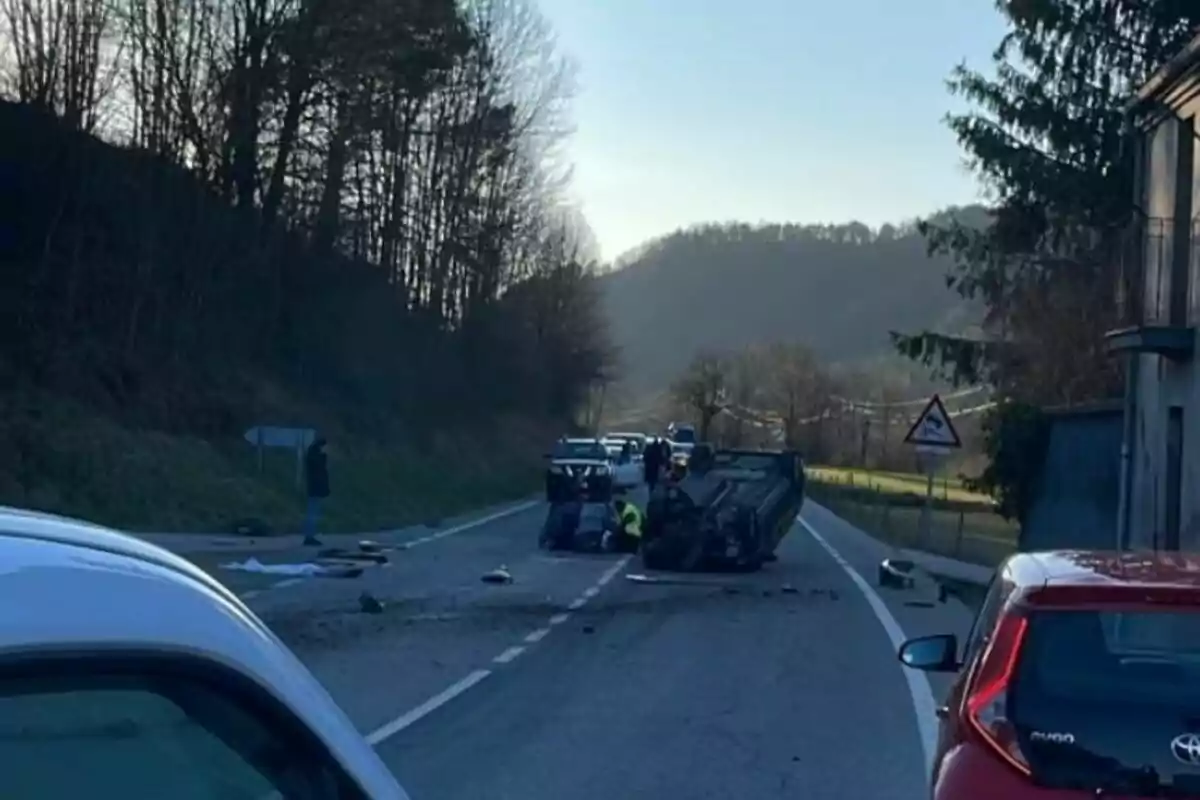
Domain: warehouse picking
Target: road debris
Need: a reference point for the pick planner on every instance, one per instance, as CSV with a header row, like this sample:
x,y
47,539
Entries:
x,y
896,573
500,575
369,604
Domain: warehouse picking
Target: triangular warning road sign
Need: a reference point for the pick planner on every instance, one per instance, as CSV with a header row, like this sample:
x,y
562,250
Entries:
x,y
933,428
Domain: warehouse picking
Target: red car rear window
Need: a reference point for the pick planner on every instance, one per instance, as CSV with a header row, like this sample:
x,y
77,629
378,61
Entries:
x,y
1110,699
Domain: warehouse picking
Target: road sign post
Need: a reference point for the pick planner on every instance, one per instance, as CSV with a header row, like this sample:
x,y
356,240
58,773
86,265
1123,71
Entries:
x,y
934,437
297,439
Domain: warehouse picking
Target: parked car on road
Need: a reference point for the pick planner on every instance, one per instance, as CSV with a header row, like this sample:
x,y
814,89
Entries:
x,y
1079,679
126,671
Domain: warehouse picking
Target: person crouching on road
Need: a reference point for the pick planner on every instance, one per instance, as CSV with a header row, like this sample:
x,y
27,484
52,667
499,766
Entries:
x,y
629,533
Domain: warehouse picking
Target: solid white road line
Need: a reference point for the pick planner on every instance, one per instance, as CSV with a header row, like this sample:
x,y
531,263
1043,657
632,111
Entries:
x,y
410,717
475,523
918,685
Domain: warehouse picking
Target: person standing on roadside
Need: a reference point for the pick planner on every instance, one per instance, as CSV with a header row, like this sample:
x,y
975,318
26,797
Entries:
x,y
316,474
651,463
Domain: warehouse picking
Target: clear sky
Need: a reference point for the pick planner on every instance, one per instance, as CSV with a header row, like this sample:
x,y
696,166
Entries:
x,y
785,110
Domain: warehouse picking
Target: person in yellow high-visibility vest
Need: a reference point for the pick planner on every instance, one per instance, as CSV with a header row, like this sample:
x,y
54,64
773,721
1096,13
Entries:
x,y
629,533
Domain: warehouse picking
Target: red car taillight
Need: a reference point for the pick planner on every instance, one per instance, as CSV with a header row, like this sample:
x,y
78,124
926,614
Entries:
x,y
988,700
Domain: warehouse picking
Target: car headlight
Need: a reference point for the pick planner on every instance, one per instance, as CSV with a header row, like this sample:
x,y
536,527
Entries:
x,y
603,471
554,469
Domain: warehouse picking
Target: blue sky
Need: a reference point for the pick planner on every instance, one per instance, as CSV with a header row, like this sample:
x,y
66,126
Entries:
x,y
784,110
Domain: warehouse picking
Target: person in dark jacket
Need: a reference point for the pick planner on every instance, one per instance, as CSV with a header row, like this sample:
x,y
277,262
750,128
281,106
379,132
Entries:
x,y
651,464
316,473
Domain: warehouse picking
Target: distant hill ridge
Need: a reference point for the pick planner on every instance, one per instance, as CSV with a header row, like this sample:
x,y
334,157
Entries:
x,y
838,288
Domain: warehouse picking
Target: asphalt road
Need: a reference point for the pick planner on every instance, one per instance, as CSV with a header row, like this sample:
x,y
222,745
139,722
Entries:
x,y
575,683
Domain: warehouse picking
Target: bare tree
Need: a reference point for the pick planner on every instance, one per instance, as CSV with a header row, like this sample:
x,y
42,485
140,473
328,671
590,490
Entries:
x,y
703,389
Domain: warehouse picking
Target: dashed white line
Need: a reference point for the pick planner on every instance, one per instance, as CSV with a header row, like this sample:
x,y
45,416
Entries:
x,y
507,657
509,654
428,707
536,636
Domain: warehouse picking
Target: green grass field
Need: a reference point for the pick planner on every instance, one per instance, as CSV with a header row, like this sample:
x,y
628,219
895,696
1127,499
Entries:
x,y
945,487
887,505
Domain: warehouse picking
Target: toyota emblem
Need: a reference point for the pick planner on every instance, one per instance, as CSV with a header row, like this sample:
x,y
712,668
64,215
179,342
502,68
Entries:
x,y
1186,748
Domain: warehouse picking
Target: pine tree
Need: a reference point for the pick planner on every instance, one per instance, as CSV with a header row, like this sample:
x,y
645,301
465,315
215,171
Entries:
x,y
1048,139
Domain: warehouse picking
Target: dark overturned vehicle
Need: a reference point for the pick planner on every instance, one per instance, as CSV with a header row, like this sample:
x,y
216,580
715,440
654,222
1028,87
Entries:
x,y
731,510
579,490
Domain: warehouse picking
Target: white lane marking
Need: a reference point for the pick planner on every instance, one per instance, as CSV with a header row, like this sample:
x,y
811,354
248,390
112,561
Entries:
x,y
509,654
428,707
537,636
433,537
405,720
466,526
918,685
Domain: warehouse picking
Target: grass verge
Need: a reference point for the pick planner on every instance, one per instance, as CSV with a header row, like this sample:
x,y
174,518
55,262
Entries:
x,y
962,526
64,457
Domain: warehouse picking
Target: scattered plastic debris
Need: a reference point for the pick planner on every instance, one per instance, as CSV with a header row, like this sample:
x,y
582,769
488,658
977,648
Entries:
x,y
896,573
294,570
369,604
500,575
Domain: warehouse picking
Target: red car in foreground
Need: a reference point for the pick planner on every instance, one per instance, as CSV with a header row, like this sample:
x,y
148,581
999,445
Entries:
x,y
1079,679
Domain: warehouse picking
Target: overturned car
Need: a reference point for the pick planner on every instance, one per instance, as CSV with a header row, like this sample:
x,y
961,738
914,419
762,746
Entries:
x,y
731,509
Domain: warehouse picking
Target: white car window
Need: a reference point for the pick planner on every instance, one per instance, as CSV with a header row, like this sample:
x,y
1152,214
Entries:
x,y
157,736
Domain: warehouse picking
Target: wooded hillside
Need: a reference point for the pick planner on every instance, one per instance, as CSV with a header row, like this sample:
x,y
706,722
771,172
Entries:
x,y
839,289
290,212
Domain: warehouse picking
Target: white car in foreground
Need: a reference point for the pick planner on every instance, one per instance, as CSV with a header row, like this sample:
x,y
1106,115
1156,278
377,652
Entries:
x,y
126,671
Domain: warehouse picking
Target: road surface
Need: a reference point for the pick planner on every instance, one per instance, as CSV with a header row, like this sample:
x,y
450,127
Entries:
x,y
574,683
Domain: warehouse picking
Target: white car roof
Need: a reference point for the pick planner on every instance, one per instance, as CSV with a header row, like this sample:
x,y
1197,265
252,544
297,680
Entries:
x,y
65,583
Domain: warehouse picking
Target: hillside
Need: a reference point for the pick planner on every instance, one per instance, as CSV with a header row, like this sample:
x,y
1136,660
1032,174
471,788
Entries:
x,y
268,256
838,288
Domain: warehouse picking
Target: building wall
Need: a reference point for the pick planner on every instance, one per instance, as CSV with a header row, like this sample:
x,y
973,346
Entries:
x,y
1163,383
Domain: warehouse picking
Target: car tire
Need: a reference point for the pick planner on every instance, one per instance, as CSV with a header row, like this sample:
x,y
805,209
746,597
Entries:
x,y
653,558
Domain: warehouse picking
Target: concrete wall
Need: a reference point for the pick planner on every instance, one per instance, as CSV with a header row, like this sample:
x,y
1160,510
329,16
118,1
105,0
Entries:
x,y
1076,500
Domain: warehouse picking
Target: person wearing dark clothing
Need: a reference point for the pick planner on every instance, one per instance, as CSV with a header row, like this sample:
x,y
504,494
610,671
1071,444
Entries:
x,y
316,473
651,464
